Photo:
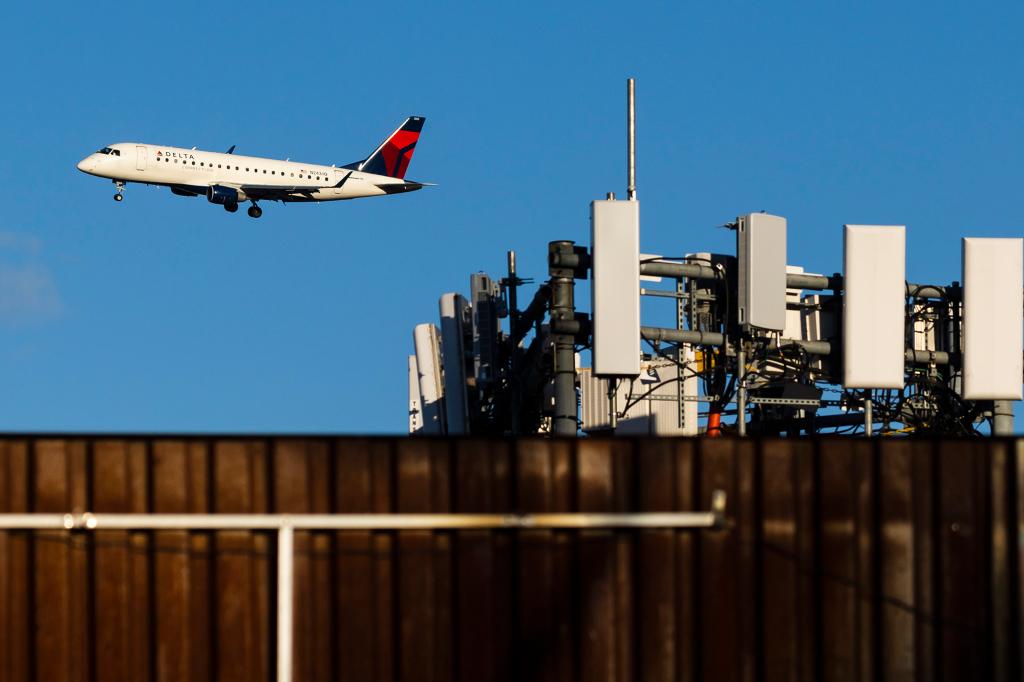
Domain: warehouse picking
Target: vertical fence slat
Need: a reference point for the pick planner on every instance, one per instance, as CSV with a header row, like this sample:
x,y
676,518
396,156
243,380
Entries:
x,y
238,630
16,598
719,555
292,494
421,583
363,567
113,492
1017,557
1002,593
52,598
689,640
896,556
781,561
960,646
318,633
925,499
544,641
657,598
838,561
482,587
868,637
171,571
596,564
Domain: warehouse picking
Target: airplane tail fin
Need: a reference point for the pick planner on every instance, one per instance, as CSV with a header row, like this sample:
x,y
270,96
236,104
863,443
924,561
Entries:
x,y
393,155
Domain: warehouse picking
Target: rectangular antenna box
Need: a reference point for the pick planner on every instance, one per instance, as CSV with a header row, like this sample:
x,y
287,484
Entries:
x,y
874,283
993,272
454,309
615,287
761,278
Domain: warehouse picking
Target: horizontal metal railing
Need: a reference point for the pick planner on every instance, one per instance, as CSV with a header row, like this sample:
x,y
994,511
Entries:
x,y
285,526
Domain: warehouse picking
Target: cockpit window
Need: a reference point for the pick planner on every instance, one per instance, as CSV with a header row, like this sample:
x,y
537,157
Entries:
x,y
108,150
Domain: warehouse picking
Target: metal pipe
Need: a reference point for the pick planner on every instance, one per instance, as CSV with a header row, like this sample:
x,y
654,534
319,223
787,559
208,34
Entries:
x,y
741,391
817,282
631,140
285,592
513,303
917,357
563,310
103,521
682,336
869,419
690,270
613,407
1002,418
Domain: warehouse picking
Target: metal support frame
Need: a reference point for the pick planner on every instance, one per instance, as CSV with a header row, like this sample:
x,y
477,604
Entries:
x,y
286,524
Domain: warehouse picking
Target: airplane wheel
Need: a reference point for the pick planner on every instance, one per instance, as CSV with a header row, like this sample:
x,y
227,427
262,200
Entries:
x,y
118,197
230,208
255,211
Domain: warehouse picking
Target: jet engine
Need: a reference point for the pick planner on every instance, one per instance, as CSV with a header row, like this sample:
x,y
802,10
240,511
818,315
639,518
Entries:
x,y
219,194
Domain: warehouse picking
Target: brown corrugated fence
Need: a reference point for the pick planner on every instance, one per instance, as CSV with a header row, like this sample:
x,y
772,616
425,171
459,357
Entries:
x,y
843,560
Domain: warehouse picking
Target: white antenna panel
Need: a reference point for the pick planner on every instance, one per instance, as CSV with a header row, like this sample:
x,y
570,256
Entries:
x,y
615,287
993,276
415,413
453,313
874,283
761,273
428,364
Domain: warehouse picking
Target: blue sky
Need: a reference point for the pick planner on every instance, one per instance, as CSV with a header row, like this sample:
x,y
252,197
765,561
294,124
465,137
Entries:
x,y
168,314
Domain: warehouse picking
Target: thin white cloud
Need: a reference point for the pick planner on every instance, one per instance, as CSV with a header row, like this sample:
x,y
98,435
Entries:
x,y
28,292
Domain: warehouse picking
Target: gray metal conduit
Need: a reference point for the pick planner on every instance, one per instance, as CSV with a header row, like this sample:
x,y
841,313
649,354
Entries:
x,y
698,338
793,280
917,357
682,336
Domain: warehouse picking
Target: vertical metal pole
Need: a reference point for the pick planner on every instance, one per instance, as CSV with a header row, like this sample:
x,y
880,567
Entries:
x,y
563,308
513,325
613,402
1002,418
285,558
741,390
630,140
869,418
513,302
680,385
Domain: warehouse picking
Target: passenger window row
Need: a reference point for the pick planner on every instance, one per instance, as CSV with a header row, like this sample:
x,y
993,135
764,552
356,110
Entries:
x,y
254,170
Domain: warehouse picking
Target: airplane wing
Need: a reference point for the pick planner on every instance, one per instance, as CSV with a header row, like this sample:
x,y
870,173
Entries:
x,y
272,192
279,192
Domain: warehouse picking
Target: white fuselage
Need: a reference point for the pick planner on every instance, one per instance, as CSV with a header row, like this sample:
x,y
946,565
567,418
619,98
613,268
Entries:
x,y
197,169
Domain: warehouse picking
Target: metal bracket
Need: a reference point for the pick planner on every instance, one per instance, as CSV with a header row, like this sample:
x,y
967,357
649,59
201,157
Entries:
x,y
794,402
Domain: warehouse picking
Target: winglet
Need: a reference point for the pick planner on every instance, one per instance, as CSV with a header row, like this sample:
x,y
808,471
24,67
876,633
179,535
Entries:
x,y
231,150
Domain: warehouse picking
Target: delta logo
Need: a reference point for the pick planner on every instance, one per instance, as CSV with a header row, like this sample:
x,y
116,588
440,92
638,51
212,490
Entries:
x,y
173,155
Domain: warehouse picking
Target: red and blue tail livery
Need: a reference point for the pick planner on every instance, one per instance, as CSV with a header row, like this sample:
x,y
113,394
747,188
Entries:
x,y
392,157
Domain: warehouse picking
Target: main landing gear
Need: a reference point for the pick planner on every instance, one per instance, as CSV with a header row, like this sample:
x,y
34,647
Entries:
x,y
120,190
231,207
255,211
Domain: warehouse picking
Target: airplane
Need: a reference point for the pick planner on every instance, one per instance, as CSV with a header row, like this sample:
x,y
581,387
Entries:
x,y
228,179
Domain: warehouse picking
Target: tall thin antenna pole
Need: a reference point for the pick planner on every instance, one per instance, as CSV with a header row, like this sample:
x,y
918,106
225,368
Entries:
x,y
631,140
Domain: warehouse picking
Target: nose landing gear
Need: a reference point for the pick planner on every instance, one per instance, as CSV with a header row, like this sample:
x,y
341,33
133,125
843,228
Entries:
x,y
255,211
120,190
